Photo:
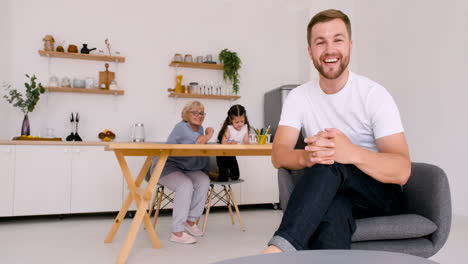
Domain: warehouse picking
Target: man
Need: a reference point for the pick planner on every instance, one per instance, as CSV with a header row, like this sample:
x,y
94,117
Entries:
x,y
356,159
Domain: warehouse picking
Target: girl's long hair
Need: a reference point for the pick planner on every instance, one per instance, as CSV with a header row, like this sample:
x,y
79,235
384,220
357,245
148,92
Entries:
x,y
235,110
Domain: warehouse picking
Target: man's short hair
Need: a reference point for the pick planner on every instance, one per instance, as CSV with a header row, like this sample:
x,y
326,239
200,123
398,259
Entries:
x,y
325,16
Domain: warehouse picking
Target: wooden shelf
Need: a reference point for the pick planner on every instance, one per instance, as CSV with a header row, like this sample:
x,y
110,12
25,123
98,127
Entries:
x,y
79,56
83,90
197,65
204,96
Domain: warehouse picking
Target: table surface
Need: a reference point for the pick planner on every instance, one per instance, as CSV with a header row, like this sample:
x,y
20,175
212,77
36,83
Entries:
x,y
331,257
155,149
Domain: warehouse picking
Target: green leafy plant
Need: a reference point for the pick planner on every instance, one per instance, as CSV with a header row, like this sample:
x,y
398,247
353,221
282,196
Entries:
x,y
28,101
232,64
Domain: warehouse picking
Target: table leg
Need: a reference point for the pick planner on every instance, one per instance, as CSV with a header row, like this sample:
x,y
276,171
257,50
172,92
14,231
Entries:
x,y
141,211
118,220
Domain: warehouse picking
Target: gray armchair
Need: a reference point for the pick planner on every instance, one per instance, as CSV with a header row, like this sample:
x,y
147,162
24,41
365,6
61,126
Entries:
x,y
421,230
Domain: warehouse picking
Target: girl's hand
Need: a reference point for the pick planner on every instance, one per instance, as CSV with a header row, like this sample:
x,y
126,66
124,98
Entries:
x,y
231,141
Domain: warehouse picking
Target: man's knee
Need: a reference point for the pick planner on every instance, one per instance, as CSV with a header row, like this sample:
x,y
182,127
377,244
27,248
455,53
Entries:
x,y
322,173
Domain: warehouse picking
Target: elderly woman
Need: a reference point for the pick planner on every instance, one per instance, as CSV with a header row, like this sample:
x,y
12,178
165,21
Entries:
x,y
187,175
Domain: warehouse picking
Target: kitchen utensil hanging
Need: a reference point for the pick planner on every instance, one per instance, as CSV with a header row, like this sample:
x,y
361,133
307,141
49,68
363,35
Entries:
x,y
74,120
71,137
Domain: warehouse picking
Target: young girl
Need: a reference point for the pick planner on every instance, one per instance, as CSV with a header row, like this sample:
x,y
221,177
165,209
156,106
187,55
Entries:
x,y
235,130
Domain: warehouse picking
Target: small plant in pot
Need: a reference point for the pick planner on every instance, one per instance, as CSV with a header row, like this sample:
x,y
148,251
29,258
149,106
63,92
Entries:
x,y
27,102
232,64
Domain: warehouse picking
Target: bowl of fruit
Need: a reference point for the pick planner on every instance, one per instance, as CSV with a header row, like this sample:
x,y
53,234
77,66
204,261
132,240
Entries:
x,y
106,135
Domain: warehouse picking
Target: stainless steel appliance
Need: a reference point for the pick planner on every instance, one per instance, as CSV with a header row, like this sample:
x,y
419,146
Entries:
x,y
273,103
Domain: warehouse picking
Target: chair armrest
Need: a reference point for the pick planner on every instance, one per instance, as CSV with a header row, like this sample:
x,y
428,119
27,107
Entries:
x,y
427,193
287,179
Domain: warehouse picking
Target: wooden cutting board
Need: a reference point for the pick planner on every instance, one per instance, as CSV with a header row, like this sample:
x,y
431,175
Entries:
x,y
37,138
106,77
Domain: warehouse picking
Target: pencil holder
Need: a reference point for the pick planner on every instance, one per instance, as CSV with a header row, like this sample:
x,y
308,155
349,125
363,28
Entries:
x,y
263,139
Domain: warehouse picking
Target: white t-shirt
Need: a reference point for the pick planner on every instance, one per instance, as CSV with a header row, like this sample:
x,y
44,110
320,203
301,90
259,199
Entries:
x,y
237,135
363,110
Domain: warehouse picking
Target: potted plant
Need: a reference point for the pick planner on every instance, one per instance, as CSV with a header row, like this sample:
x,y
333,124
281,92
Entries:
x,y
232,64
27,102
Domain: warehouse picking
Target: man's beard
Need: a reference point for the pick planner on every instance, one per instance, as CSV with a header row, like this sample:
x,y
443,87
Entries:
x,y
344,62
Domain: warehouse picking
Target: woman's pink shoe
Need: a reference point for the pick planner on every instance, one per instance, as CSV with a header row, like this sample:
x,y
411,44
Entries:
x,y
193,230
183,239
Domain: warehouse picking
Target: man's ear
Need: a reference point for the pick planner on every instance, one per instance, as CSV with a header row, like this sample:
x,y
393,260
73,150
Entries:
x,y
309,50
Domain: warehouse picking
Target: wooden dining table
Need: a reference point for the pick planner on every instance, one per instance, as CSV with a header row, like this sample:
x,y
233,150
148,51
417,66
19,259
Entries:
x,y
141,197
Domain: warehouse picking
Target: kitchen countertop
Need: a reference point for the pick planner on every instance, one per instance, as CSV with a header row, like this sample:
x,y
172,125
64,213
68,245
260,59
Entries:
x,y
60,143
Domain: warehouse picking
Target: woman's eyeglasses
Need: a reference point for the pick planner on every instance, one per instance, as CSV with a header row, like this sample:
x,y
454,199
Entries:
x,y
196,113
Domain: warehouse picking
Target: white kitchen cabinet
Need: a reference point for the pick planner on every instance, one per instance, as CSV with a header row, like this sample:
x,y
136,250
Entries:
x,y
42,180
96,182
7,179
261,180
66,179
62,179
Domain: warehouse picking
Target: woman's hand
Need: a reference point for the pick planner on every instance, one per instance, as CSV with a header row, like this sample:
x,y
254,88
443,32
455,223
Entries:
x,y
209,131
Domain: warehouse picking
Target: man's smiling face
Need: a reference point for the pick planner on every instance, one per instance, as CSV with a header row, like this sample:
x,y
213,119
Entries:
x,y
330,48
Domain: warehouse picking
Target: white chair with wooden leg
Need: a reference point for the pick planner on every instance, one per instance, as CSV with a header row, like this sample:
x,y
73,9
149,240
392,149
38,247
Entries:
x,y
226,196
160,201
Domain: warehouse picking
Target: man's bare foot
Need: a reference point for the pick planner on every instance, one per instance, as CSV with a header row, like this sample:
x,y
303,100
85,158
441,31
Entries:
x,y
272,249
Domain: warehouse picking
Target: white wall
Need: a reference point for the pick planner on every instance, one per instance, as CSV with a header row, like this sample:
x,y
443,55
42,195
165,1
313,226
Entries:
x,y
148,33
5,32
418,51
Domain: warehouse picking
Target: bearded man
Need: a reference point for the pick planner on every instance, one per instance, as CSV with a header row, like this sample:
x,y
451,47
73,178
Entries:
x,y
356,160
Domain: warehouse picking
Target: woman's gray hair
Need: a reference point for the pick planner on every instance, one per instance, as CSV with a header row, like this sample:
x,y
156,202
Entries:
x,y
188,107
